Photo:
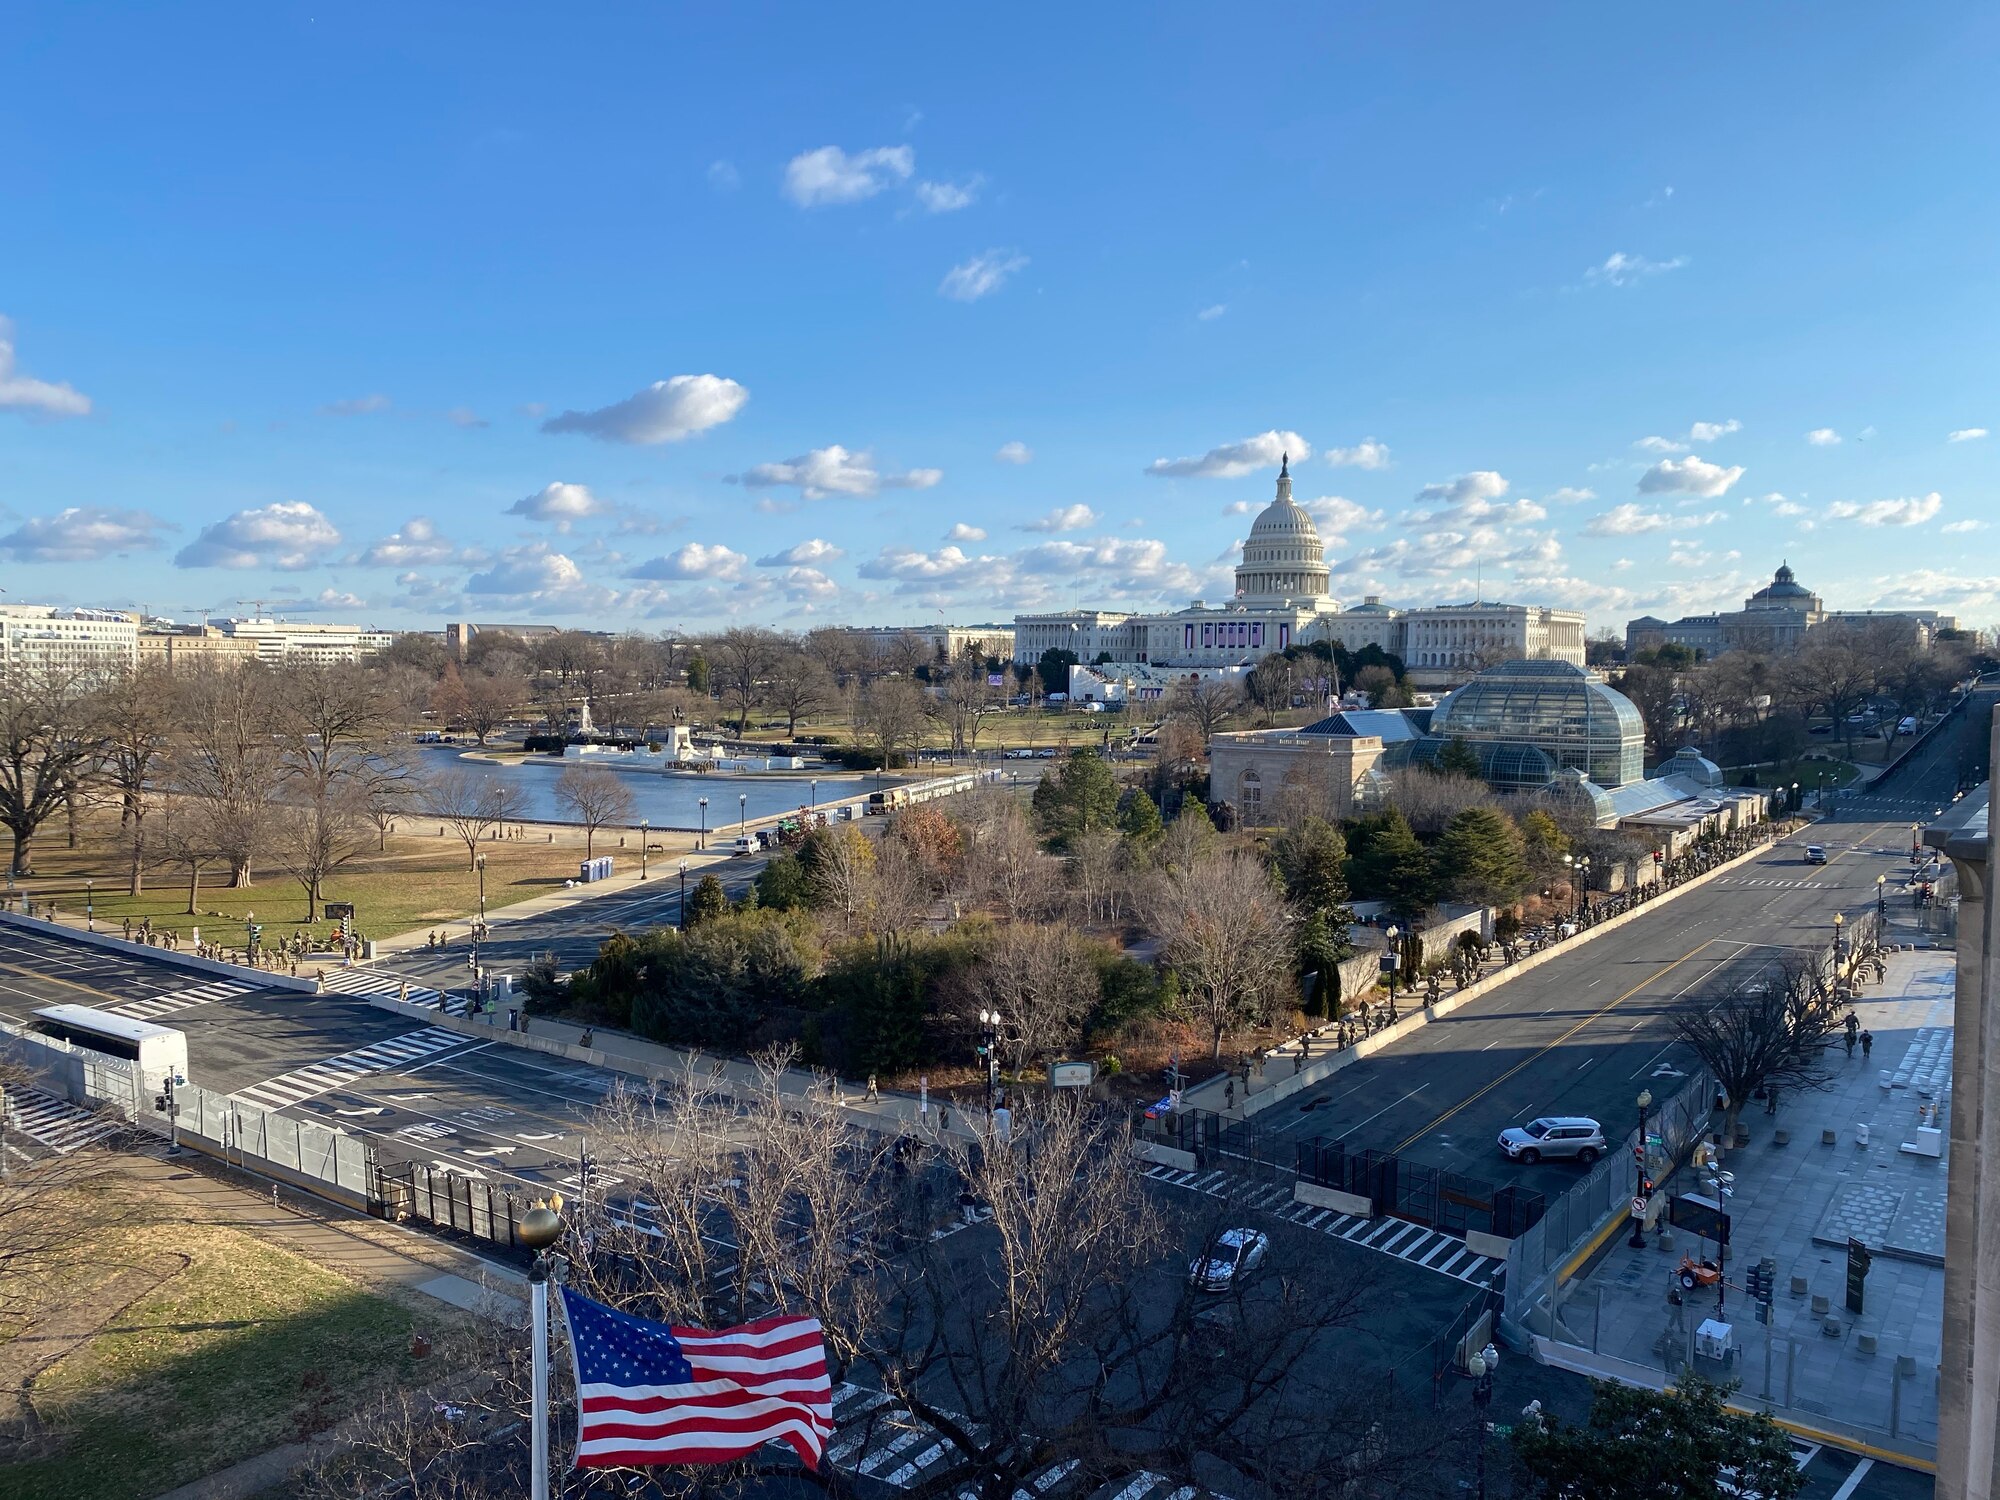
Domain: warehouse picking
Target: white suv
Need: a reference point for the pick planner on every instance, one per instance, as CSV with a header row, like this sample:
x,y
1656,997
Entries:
x,y
1554,1136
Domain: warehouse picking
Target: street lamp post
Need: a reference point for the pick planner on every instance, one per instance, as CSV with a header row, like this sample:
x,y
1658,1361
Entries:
x,y
1583,885
1916,842
1795,797
479,863
539,1228
1644,1188
701,842
1392,958
989,1037
684,895
644,824
813,786
1881,894
742,812
90,904
1839,921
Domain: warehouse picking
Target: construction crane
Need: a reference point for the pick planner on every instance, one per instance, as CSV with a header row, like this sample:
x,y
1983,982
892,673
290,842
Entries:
x,y
198,609
256,604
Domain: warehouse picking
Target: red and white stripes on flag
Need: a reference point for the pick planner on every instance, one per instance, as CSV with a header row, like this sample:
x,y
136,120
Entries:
x,y
648,1393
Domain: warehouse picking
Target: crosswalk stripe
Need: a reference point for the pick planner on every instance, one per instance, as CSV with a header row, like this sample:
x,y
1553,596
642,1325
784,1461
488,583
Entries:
x,y
324,1076
366,982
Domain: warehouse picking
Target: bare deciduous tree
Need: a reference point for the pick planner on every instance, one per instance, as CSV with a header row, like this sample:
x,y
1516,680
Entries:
x,y
227,758
1042,981
893,713
50,737
136,710
1204,706
594,796
473,807
740,660
797,685
1221,925
1767,1030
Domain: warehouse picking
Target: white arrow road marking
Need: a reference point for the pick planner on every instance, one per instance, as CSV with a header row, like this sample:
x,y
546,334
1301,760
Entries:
x,y
546,1135
496,1151
352,1113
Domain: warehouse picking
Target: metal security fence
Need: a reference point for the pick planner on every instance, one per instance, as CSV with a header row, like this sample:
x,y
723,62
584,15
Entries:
x,y
1419,1193
1214,1140
449,1200
1533,1260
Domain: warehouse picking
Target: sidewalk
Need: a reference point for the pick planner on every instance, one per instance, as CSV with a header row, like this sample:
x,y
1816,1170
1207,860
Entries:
x,y
1873,1373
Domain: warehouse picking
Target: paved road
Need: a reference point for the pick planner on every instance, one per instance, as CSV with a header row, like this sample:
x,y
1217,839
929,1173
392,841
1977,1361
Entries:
x,y
1585,1032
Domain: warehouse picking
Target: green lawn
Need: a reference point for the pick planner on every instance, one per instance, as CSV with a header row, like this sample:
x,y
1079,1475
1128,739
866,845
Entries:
x,y
416,881
246,1349
1807,773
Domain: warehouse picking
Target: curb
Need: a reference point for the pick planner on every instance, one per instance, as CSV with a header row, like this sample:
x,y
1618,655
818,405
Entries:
x,y
264,978
1319,1071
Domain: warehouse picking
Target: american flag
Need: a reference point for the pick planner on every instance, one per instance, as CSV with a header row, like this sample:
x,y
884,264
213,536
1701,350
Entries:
x,y
649,1393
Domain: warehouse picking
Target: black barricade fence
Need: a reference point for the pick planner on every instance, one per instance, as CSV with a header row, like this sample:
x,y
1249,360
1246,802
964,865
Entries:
x,y
1422,1194
450,1200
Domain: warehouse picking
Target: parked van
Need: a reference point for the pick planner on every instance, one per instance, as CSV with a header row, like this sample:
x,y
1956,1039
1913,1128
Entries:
x,y
743,844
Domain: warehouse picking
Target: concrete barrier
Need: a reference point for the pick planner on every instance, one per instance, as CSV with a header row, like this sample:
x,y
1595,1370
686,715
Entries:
x,y
261,977
1333,1198
1166,1156
1481,1243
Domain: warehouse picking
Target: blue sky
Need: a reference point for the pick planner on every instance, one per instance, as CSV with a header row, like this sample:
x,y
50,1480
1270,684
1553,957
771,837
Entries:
x,y
665,317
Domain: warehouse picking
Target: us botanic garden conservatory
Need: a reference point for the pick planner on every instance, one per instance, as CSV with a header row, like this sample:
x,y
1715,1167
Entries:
x,y
1284,597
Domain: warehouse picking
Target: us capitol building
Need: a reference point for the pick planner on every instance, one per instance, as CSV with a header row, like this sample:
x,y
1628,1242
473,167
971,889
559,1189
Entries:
x,y
1284,598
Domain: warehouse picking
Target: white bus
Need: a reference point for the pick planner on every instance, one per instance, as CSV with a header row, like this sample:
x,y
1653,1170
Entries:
x,y
157,1051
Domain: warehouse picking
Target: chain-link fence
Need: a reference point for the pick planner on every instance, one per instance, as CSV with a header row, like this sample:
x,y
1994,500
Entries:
x,y
1536,1258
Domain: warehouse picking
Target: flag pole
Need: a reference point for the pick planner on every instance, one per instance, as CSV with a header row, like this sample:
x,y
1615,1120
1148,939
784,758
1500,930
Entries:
x,y
539,1229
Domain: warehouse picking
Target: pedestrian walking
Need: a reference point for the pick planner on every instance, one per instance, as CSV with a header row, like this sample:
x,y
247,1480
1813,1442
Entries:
x,y
1867,1044
872,1092
1850,1044
1229,1094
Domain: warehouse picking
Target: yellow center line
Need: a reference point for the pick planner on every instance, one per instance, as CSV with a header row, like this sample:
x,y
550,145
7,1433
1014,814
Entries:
x,y
66,983
1533,1057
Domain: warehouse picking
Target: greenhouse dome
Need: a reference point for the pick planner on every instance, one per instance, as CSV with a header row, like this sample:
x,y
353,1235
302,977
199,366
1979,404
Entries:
x,y
1571,716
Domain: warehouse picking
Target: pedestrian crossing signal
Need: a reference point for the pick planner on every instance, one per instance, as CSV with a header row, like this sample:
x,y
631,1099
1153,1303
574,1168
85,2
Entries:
x,y
1762,1281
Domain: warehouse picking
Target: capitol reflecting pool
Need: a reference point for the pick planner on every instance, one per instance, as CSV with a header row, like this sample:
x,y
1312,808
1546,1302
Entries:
x,y
666,801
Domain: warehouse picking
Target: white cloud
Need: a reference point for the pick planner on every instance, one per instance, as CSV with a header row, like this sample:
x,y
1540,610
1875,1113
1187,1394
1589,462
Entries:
x,y
1692,476
1966,435
338,599
465,416
833,470
695,560
1660,445
808,584
1015,453
1062,518
560,505
804,554
949,197
1335,515
1911,510
287,535
1211,313
1620,269
416,544
981,276
814,179
1622,565
1569,496
909,564
537,577
723,176
1234,460
664,412
1241,507
1366,454
964,533
1822,437
1626,520
86,533
1480,484
1955,528
44,398
1708,432
357,406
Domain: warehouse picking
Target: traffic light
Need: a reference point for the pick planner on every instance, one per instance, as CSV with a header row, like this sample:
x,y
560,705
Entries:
x,y
1763,1279
159,1104
256,934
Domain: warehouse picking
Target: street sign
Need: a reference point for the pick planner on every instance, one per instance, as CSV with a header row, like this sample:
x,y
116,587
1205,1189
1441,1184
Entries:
x,y
1858,1261
1072,1075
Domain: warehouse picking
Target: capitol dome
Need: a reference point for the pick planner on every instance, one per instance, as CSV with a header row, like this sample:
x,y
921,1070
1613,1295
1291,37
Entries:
x,y
1283,557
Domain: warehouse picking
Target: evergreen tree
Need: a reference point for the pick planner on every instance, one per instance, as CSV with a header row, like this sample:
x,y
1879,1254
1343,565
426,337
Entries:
x,y
1312,861
1479,857
1322,944
1458,759
1641,1444
1391,865
1077,797
1139,817
706,904
1543,842
783,884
